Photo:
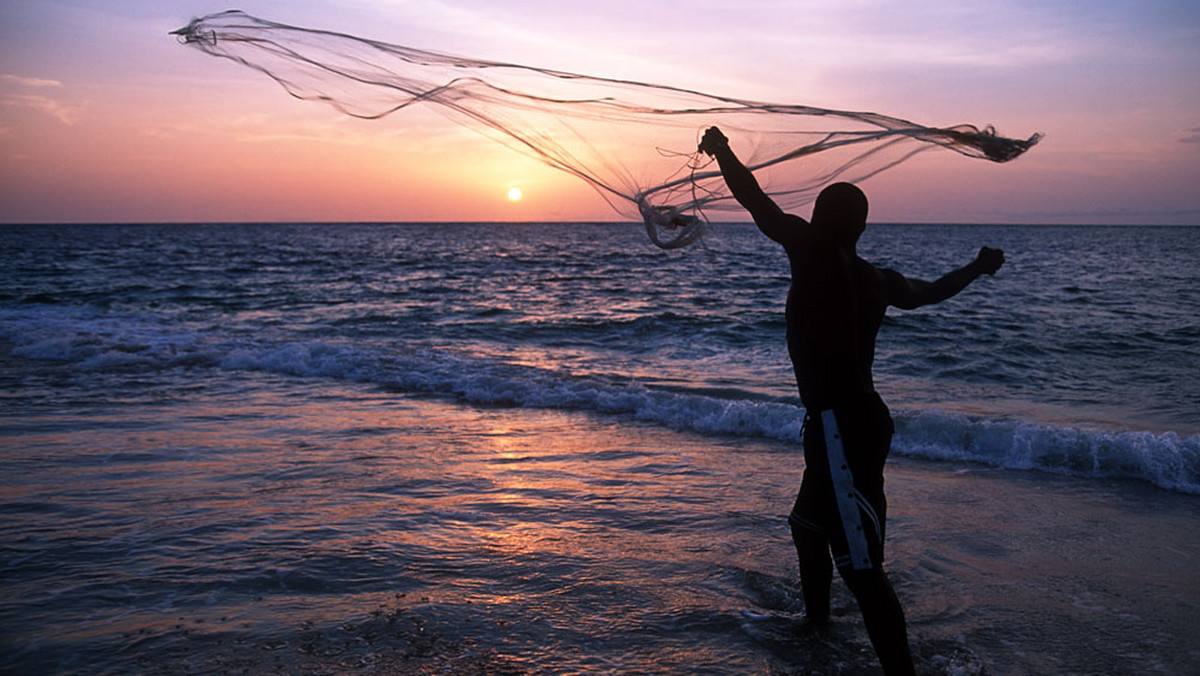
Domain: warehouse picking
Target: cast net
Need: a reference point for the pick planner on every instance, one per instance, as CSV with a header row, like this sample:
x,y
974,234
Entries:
x,y
634,142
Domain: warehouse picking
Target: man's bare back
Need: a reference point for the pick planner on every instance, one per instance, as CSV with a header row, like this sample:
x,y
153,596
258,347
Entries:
x,y
837,300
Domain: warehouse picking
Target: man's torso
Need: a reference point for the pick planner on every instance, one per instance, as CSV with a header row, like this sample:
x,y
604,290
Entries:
x,y
835,307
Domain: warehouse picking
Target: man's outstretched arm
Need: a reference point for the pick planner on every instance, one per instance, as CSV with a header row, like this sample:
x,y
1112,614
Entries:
x,y
907,294
767,215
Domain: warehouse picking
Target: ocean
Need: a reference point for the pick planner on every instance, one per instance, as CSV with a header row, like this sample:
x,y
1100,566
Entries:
x,y
556,449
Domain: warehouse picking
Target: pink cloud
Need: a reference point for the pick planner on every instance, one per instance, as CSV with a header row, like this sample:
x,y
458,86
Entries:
x,y
30,81
66,113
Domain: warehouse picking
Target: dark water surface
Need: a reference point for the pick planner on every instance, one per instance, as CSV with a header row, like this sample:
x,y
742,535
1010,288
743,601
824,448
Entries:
x,y
555,449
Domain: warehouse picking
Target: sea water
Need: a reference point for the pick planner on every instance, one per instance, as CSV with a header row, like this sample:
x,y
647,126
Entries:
x,y
553,448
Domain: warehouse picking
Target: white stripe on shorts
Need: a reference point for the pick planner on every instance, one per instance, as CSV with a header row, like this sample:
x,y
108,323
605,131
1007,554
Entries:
x,y
843,488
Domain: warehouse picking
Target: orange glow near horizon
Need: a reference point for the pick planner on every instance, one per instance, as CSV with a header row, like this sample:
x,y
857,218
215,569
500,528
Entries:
x,y
104,117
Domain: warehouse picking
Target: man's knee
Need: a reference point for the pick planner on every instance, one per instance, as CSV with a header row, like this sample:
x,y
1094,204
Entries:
x,y
871,582
804,530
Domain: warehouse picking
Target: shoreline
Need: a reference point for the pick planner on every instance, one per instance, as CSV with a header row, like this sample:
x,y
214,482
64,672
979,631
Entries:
x,y
607,544
1097,569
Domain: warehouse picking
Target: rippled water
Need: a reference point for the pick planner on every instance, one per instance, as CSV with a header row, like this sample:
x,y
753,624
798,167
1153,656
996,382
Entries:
x,y
554,449
1079,357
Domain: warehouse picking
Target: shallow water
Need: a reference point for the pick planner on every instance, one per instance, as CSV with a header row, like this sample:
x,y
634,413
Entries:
x,y
274,524
420,449
1078,358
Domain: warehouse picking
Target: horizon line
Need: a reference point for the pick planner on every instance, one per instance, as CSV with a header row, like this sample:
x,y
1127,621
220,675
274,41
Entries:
x,y
573,222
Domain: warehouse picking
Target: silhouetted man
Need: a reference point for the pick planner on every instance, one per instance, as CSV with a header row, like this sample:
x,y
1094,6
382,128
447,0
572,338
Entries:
x,y
834,309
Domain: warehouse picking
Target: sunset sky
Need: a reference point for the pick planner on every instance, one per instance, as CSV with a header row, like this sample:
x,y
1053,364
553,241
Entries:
x,y
104,117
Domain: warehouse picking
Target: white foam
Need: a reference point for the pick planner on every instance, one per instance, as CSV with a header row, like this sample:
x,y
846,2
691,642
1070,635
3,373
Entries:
x,y
1165,460
103,341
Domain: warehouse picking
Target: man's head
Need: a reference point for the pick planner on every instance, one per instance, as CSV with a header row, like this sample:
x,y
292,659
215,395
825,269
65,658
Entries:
x,y
841,209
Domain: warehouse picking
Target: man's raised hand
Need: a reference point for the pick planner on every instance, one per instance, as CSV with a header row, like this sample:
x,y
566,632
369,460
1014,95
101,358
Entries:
x,y
713,141
989,260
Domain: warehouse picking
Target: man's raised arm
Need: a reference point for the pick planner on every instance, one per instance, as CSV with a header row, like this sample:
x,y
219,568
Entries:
x,y
907,294
767,215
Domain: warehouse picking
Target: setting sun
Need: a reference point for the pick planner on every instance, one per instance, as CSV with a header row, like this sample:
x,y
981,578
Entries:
x,y
514,194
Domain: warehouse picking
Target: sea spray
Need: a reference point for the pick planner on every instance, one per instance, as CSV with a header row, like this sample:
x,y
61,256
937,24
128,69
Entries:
x,y
1165,460
556,316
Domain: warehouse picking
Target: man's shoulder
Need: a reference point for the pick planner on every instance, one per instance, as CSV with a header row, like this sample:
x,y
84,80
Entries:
x,y
888,283
880,273
793,231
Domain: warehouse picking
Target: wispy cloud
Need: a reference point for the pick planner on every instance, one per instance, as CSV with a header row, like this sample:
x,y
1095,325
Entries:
x,y
66,113
1191,135
30,81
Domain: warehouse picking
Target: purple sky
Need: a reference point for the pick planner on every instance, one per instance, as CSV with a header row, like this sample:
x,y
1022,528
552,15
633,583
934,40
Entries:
x,y
105,117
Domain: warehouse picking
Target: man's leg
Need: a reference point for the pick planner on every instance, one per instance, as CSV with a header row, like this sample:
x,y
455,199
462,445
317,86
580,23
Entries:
x,y
816,571
884,617
862,508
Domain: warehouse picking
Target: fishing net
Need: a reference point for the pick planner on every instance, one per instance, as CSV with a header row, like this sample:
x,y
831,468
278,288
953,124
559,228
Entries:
x,y
634,142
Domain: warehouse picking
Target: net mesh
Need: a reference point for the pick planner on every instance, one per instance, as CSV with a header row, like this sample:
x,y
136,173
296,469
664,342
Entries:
x,y
633,142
